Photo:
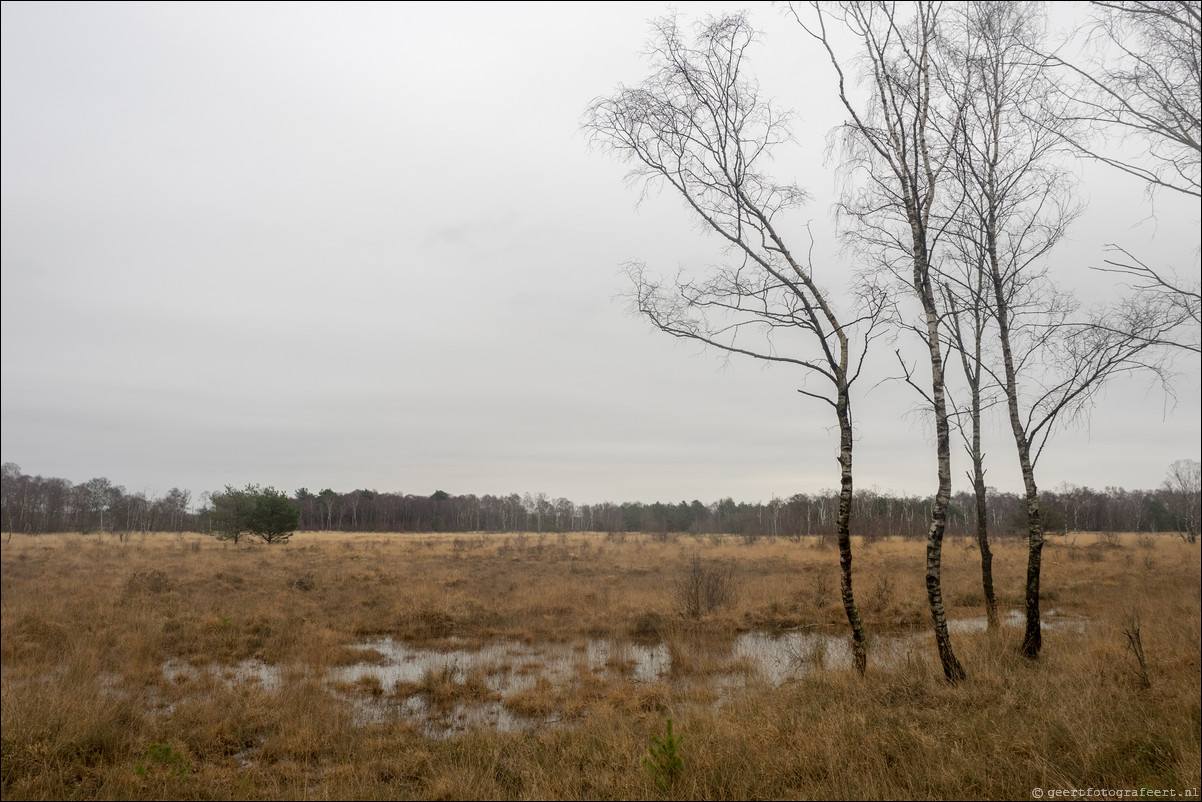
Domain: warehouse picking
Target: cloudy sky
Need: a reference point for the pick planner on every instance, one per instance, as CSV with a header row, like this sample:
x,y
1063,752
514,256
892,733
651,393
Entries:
x,y
344,245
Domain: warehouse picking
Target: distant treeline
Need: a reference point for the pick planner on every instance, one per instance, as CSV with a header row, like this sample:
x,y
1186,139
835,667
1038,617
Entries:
x,y
36,504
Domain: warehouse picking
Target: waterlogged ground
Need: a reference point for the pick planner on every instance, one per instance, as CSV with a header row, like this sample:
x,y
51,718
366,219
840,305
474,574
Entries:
x,y
513,686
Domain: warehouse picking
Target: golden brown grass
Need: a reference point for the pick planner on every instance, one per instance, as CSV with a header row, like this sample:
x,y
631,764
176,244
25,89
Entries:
x,y
89,623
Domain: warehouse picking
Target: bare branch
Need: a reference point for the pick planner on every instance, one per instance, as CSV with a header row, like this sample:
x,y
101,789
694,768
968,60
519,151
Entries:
x,y
1142,87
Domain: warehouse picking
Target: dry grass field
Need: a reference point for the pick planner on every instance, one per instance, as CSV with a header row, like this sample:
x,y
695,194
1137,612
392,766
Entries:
x,y
184,668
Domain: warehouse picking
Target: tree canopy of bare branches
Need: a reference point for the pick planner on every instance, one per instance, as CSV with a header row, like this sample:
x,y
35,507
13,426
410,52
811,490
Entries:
x,y
1138,94
1141,91
699,126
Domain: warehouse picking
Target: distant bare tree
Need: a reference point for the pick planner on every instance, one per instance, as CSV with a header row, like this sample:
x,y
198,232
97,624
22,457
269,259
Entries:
x,y
700,127
174,509
1184,489
14,489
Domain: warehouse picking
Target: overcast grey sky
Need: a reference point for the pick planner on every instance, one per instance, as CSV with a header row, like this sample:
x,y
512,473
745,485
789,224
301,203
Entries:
x,y
366,245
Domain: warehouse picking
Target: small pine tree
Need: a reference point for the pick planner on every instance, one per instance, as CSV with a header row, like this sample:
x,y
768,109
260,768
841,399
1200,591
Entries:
x,y
665,763
267,514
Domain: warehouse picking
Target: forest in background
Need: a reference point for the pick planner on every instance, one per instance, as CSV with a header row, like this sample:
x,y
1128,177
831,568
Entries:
x,y
36,504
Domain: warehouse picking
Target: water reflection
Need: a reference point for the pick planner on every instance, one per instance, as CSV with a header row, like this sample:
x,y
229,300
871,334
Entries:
x,y
510,666
507,669
448,691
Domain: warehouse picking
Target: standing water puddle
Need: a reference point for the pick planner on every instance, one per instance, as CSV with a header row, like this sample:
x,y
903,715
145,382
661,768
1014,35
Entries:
x,y
404,676
447,691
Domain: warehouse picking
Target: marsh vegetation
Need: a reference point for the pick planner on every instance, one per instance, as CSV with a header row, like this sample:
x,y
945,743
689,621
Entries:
x,y
494,666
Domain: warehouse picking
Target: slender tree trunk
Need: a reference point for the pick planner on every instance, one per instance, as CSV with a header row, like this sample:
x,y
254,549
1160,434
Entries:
x,y
991,615
952,669
843,528
978,486
1032,636
970,359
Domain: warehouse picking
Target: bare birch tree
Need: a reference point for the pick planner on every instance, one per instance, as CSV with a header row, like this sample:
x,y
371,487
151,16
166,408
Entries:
x,y
1015,204
967,321
892,137
1013,208
700,127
